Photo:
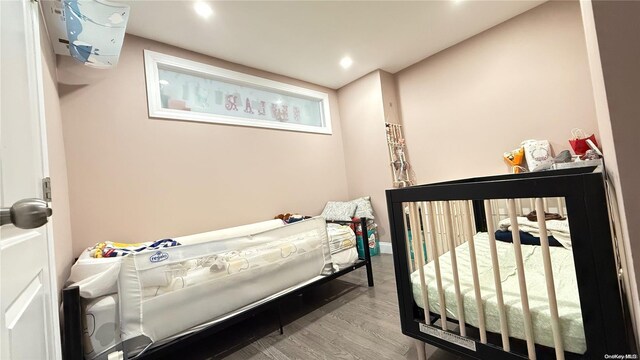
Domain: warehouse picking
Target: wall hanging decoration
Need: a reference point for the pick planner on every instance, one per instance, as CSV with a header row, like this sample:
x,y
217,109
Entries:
x,y
397,148
181,89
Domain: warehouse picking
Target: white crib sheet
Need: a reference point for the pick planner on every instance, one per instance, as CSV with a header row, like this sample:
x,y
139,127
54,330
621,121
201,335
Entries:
x,y
565,284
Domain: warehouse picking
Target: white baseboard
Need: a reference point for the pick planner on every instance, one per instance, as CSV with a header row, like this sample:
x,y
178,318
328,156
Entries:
x,y
385,248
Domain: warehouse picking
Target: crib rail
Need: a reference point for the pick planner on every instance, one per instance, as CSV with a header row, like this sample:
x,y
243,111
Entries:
x,y
430,221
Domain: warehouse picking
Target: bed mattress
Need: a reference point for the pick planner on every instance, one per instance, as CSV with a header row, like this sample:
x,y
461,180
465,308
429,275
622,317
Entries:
x,y
565,285
341,237
342,244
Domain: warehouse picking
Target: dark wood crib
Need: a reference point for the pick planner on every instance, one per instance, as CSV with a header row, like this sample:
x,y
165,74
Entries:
x,y
429,223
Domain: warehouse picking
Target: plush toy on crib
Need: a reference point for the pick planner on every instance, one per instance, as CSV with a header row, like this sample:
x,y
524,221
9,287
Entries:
x,y
514,159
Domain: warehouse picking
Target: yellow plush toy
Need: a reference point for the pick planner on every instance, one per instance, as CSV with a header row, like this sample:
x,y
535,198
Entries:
x,y
514,159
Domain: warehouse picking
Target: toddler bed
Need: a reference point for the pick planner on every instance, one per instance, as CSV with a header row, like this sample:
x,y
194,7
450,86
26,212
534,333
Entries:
x,y
520,297
149,298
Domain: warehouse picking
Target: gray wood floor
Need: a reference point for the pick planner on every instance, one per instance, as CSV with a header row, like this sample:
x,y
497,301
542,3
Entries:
x,y
343,319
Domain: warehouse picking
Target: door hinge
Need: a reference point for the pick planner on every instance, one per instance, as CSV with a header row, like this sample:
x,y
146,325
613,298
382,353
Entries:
x,y
46,189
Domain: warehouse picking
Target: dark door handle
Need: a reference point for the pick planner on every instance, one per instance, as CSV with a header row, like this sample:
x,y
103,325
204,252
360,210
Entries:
x,y
26,214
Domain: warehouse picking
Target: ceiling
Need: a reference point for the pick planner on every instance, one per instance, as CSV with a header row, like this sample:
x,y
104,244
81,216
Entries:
x,y
307,39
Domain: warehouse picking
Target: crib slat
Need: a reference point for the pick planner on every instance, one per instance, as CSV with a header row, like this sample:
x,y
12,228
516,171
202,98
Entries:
x,y
460,223
454,221
454,266
560,206
474,270
495,217
519,207
531,204
472,216
440,218
443,231
455,205
427,230
548,275
416,235
407,241
545,205
491,230
463,211
524,298
436,264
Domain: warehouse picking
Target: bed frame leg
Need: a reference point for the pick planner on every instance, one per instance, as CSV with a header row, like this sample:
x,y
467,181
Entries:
x,y
369,274
280,319
367,252
420,349
72,329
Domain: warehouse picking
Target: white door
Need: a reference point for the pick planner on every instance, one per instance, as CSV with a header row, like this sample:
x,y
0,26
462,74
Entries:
x,y
28,300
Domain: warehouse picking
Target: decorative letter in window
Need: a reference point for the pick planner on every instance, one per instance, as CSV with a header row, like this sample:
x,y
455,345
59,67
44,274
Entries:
x,y
186,90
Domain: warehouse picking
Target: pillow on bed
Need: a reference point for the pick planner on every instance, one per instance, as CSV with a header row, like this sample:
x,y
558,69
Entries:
x,y
339,210
363,207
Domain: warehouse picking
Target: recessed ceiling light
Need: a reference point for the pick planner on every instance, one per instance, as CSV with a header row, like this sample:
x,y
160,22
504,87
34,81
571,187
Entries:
x,y
346,62
203,9
163,82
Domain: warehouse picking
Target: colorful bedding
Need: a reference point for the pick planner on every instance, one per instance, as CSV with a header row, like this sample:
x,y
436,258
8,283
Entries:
x,y
114,249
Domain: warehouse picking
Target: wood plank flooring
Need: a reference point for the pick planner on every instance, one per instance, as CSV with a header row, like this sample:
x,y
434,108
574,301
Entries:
x,y
343,319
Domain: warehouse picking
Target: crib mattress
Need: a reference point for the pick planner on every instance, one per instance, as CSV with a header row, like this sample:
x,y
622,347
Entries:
x,y
565,284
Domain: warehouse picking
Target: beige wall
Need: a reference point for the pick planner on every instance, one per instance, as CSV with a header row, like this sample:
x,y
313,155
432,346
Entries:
x,y
389,98
365,150
132,178
525,78
60,220
614,52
